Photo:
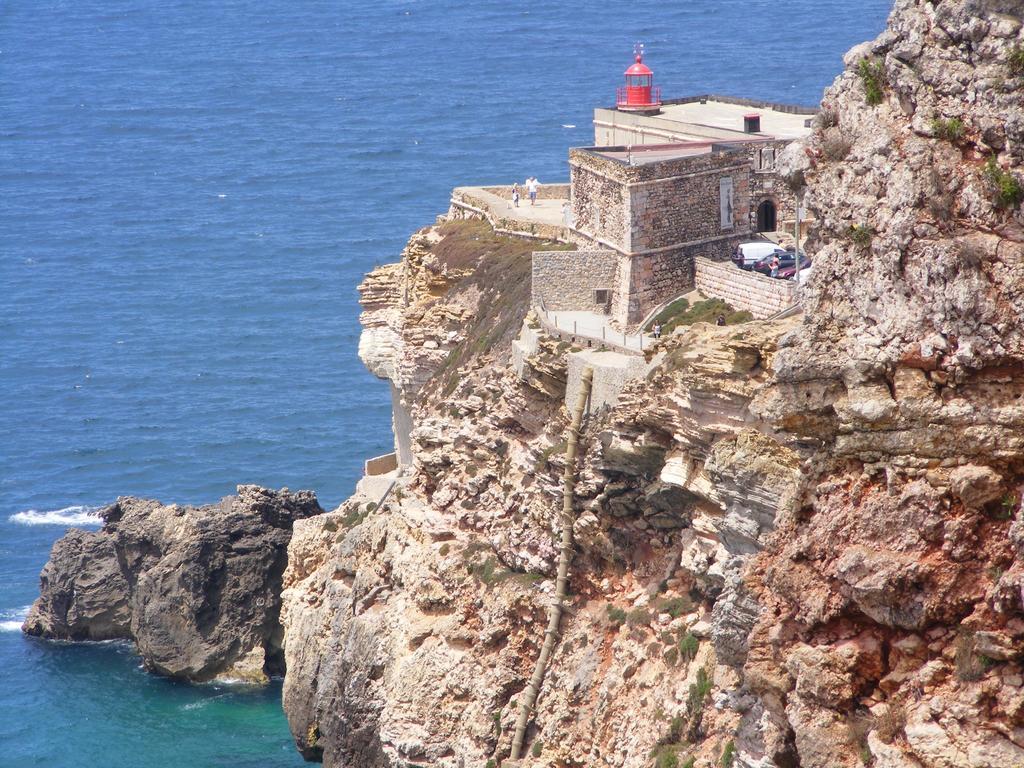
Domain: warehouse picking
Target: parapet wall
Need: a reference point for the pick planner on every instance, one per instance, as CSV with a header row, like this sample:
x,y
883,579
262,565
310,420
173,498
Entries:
x,y
761,296
565,281
544,191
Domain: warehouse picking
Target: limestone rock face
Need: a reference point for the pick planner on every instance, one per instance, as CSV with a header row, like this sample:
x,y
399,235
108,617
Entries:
x,y
196,588
798,542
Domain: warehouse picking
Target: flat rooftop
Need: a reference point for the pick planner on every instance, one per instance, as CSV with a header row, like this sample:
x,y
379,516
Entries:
x,y
646,154
715,117
726,116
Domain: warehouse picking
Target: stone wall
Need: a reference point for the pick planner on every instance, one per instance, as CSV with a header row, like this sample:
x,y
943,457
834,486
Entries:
x,y
766,184
643,282
761,296
684,207
599,205
566,280
544,191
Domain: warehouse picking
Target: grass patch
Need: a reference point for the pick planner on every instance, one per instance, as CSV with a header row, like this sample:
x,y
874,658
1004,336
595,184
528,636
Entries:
x,y
538,748
616,616
638,617
950,130
680,313
696,699
1006,189
688,646
666,756
1016,59
860,235
501,274
872,77
675,606
728,755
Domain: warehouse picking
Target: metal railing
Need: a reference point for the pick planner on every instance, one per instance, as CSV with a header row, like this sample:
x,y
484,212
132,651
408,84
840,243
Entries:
x,y
595,334
622,97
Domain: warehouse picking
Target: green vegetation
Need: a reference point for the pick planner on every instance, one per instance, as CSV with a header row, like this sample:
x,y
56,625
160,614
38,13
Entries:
x,y
872,76
616,616
355,516
728,755
496,719
490,764
695,700
680,313
496,266
688,646
1006,189
950,130
665,756
1008,507
444,549
638,617
860,234
538,748
865,755
1016,59
690,762
675,607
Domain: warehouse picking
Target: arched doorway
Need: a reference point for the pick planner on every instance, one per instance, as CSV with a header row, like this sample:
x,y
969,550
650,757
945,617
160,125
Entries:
x,y
766,216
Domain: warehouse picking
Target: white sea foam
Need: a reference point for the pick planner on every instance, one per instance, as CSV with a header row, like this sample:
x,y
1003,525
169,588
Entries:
x,y
74,515
12,619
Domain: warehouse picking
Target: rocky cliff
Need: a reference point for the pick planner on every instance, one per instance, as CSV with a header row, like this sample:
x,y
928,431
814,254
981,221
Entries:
x,y
797,544
197,589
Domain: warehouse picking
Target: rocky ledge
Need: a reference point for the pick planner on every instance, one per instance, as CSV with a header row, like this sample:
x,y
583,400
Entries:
x,y
197,589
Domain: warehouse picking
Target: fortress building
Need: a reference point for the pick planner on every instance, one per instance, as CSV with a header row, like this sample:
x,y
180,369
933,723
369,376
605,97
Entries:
x,y
667,181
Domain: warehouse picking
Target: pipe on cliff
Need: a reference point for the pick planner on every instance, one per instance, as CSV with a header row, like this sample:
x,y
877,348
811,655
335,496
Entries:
x,y
529,697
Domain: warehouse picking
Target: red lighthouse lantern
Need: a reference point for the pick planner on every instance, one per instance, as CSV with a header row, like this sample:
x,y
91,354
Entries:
x,y
639,94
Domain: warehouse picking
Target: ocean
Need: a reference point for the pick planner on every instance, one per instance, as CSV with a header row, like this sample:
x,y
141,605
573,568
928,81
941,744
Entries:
x,y
189,194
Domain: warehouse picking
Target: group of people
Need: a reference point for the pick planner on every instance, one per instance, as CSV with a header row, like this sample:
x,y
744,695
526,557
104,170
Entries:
x,y
531,189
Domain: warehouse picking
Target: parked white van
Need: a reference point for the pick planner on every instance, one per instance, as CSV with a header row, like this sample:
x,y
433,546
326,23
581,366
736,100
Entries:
x,y
748,253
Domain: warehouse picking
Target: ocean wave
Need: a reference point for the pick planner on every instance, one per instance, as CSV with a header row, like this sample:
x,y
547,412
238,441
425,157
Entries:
x,y
73,515
12,618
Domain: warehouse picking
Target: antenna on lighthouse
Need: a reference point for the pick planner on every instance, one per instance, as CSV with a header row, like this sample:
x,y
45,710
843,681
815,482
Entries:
x,y
638,50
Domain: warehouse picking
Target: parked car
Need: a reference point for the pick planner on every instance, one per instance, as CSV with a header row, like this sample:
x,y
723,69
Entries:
x,y
805,275
748,253
787,273
786,260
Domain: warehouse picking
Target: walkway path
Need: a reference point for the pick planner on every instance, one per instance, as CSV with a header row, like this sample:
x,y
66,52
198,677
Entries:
x,y
596,328
545,220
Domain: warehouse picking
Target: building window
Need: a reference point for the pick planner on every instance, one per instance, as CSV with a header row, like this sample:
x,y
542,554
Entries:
x,y
766,160
725,201
602,296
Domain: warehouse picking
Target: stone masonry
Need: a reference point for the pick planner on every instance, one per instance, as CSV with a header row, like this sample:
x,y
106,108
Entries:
x,y
761,296
572,280
658,216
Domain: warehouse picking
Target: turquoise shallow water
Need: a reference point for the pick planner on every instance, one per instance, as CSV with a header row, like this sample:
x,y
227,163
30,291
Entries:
x,y
190,193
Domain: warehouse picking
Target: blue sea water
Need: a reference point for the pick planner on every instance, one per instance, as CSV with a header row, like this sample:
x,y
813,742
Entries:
x,y
189,194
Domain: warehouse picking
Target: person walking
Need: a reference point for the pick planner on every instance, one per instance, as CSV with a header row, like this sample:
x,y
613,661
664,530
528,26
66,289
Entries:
x,y
775,266
531,188
515,194
657,330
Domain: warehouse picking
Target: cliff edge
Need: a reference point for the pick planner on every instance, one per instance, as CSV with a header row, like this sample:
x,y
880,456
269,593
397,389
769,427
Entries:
x,y
798,543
